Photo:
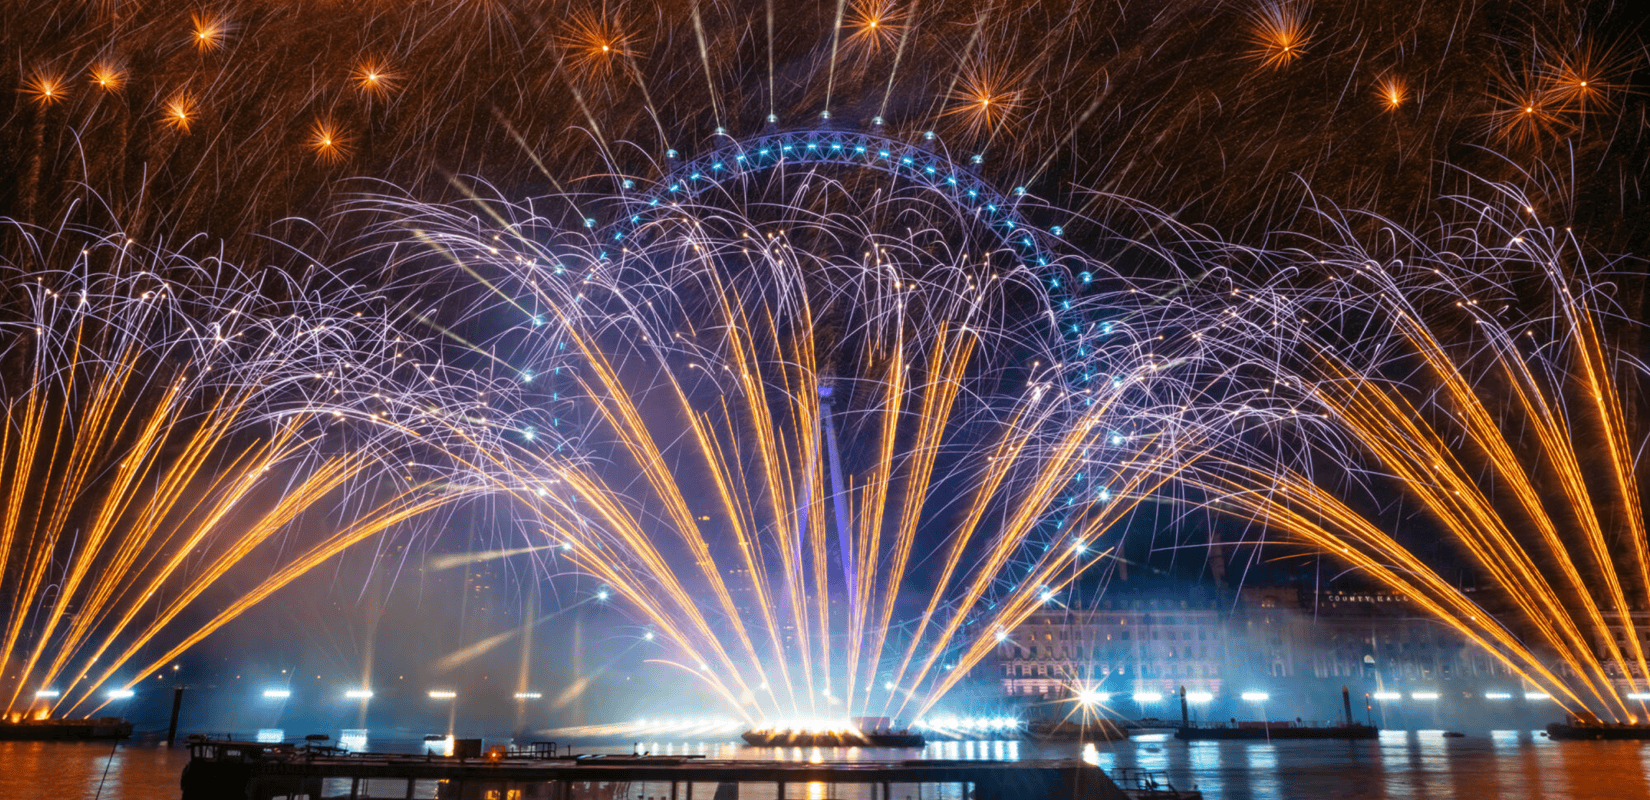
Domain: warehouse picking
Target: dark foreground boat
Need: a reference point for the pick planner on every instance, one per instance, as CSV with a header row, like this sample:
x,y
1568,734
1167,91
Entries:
x,y
1274,730
1597,730
57,730
875,738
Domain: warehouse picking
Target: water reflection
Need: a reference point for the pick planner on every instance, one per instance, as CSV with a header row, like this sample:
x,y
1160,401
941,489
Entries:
x,y
353,739
1435,762
1512,764
1204,760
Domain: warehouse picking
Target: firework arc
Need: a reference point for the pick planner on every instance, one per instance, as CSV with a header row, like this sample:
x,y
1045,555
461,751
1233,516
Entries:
x,y
754,430
172,426
1468,370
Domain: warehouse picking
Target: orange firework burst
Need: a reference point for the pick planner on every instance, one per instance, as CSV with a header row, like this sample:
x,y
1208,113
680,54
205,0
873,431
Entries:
x,y
329,144
179,111
1524,113
1580,79
986,98
1392,91
208,30
372,76
596,44
46,88
107,76
1278,32
874,24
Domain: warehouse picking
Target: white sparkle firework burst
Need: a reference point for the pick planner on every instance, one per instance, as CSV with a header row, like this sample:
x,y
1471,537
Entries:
x,y
170,419
1471,376
807,453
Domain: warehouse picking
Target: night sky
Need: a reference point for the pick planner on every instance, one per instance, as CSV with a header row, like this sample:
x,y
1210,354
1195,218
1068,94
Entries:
x,y
259,140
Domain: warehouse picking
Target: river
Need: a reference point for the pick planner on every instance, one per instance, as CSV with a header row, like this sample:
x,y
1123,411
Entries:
x,y
1401,765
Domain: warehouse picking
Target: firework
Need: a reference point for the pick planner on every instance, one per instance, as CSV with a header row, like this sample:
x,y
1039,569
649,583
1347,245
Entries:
x,y
829,467
1278,33
168,422
330,145
1218,114
46,88
1115,97
1392,91
1475,378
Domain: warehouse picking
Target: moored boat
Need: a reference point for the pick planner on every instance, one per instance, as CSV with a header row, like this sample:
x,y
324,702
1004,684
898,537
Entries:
x,y
1274,730
1597,730
74,730
1096,730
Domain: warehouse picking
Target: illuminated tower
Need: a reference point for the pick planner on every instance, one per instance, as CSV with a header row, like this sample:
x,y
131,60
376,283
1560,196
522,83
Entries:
x,y
838,492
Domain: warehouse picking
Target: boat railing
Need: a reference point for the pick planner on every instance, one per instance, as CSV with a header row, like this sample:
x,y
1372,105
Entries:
x,y
1147,782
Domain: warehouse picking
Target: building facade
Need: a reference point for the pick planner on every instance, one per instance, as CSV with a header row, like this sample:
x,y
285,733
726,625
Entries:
x,y
1135,645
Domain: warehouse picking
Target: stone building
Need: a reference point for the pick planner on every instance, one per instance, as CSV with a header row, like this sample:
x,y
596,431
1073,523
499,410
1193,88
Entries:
x,y
1133,645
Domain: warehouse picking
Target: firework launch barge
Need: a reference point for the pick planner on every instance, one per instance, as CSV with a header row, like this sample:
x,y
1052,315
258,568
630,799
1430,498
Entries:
x,y
65,730
1590,729
874,738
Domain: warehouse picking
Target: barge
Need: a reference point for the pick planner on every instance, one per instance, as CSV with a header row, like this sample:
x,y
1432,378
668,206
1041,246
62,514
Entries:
x,y
1274,730
65,730
1266,729
1598,730
848,738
